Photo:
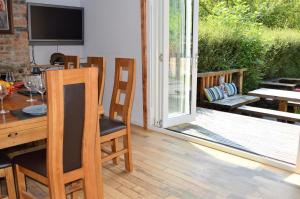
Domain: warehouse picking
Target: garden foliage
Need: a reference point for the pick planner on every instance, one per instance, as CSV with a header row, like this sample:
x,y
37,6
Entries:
x,y
261,35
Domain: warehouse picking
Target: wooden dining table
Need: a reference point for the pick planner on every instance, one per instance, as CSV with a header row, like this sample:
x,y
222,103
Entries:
x,y
283,96
16,130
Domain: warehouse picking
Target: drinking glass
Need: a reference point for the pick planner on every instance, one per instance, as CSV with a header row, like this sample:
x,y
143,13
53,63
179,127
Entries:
x,y
29,84
3,94
10,77
41,88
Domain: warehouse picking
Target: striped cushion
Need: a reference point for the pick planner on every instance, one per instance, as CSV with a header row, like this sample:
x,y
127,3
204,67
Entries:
x,y
231,89
214,93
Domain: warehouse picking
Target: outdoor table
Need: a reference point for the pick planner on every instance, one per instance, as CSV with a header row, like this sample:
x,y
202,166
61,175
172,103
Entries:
x,y
282,96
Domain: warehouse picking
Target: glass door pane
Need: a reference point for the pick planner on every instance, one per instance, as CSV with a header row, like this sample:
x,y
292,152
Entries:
x,y
181,74
180,54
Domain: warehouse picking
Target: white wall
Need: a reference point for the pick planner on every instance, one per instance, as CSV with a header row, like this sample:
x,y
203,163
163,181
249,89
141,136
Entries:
x,y
112,29
42,53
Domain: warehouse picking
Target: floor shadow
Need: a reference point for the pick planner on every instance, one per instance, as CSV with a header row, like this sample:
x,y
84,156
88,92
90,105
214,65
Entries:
x,y
189,129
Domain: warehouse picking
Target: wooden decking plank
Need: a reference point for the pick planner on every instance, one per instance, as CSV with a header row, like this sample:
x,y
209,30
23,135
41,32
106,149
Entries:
x,y
268,138
271,113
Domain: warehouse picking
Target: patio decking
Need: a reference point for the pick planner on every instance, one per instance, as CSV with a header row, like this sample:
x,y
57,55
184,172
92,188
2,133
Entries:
x,y
260,136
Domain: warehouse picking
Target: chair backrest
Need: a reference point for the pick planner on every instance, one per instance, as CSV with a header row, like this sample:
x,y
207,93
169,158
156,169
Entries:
x,y
123,87
71,62
101,64
72,130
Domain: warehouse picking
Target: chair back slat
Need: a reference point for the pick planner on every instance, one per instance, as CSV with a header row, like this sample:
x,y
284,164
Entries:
x,y
100,63
127,87
71,62
119,109
72,128
123,85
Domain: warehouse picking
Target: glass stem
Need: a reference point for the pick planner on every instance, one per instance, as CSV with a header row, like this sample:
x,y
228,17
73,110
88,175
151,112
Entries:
x,y
30,93
42,94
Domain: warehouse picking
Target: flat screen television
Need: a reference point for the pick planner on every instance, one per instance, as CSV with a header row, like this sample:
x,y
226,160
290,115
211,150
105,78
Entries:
x,y
55,25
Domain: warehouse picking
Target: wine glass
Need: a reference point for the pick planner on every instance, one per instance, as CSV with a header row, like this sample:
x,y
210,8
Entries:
x,y
28,83
3,94
10,77
41,88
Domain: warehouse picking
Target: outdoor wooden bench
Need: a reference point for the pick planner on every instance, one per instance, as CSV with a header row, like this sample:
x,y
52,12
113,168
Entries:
x,y
289,80
210,79
278,85
260,112
234,101
294,104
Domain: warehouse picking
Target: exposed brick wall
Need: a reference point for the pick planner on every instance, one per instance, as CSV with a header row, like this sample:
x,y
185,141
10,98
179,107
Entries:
x,y
14,48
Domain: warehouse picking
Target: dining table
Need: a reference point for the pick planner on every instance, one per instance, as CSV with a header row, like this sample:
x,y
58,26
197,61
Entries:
x,y
283,96
18,128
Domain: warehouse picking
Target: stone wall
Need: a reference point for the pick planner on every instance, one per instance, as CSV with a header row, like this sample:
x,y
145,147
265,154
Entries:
x,y
14,48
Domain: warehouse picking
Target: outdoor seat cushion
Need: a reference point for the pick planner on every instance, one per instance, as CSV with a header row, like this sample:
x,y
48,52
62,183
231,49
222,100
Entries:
x,y
34,161
231,89
108,126
214,93
4,161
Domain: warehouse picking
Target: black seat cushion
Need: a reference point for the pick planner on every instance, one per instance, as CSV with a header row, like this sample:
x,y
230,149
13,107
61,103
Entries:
x,y
34,161
4,161
108,126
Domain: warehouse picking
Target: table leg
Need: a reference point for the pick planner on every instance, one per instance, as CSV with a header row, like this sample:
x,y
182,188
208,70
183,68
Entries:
x,y
283,106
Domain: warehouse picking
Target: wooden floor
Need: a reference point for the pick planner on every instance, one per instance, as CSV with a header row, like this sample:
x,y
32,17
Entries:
x,y
260,136
169,168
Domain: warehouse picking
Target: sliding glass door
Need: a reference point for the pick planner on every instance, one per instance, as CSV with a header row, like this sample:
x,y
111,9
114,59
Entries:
x,y
179,60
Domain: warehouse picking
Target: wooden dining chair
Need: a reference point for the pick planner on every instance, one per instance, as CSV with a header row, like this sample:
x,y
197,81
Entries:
x,y
71,62
111,129
72,152
6,172
100,63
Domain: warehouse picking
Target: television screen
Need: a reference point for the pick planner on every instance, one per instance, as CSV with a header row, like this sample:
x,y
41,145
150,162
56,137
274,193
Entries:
x,y
57,25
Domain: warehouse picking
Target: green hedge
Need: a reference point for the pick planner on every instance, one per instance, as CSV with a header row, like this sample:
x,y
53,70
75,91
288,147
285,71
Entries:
x,y
266,53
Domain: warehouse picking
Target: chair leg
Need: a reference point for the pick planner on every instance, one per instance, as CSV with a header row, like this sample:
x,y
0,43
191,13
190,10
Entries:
x,y
0,191
114,149
21,182
10,183
128,155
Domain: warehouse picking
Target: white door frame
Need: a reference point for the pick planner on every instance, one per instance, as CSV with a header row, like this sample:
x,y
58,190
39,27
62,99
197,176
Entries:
x,y
163,38
298,159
